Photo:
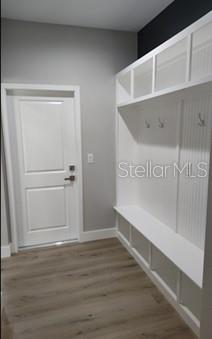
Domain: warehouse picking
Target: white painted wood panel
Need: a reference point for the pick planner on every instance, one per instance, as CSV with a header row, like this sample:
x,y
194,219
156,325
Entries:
x,y
194,149
141,244
124,228
201,61
41,124
123,89
128,139
46,140
165,269
171,65
191,296
46,208
158,147
143,76
177,64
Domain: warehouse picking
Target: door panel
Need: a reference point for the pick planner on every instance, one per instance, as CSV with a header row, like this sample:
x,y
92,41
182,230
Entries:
x,y
46,208
46,141
42,134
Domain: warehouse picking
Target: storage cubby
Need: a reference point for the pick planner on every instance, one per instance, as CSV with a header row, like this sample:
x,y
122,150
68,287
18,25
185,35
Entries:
x,y
124,228
190,296
171,65
142,76
166,270
140,244
124,87
201,59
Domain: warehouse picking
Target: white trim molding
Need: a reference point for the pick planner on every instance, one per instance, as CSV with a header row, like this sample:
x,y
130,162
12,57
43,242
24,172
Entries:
x,y
6,251
99,234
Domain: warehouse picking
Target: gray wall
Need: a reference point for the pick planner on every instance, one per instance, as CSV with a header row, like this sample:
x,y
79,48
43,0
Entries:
x,y
54,54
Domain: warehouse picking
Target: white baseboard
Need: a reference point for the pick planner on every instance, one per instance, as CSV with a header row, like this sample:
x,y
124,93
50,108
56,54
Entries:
x,y
98,234
5,251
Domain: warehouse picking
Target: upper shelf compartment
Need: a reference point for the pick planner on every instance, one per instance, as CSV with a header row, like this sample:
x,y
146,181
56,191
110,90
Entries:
x,y
171,66
182,62
201,58
142,76
123,87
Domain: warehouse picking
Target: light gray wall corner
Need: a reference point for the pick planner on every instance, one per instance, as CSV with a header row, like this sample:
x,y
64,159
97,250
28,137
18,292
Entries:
x,y
56,54
206,328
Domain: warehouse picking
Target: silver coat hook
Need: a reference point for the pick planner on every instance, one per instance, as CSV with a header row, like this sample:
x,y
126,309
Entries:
x,y
147,124
160,123
201,121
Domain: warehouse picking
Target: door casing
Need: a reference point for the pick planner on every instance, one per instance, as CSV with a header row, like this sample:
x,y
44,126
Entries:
x,y
72,91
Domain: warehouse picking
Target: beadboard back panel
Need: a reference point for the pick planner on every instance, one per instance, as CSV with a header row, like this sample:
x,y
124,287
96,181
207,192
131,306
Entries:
x,y
158,148
127,141
201,61
194,151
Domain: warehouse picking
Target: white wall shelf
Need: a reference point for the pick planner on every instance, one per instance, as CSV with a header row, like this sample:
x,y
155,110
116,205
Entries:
x,y
181,62
178,88
164,115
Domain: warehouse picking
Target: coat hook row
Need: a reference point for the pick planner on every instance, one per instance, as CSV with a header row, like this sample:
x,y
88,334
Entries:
x,y
160,123
201,120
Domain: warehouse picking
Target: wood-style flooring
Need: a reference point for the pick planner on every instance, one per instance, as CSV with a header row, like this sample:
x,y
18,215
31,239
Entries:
x,y
91,291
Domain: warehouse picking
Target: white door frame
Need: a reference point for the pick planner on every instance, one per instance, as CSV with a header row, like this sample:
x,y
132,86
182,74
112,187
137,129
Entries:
x,y
6,135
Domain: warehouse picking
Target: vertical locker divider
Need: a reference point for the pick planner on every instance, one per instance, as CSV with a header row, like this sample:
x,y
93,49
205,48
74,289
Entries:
x,y
154,61
189,56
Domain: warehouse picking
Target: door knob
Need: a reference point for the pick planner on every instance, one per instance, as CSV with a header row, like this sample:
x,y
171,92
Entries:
x,y
70,178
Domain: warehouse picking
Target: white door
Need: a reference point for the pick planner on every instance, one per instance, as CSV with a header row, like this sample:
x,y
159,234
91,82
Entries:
x,y
47,156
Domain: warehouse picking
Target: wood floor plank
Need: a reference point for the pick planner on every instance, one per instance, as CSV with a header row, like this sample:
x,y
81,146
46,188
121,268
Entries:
x,y
87,291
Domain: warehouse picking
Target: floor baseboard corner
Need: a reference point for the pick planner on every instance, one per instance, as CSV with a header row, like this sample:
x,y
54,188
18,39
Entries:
x,y
6,251
99,234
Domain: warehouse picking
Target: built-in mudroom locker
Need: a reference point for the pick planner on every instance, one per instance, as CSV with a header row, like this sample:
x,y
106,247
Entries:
x,y
164,119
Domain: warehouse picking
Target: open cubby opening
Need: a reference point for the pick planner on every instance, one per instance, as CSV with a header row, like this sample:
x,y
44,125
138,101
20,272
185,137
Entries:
x,y
124,87
143,79
201,59
124,228
166,270
140,244
171,65
190,296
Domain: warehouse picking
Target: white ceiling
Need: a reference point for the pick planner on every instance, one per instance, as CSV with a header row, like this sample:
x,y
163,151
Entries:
x,y
125,15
